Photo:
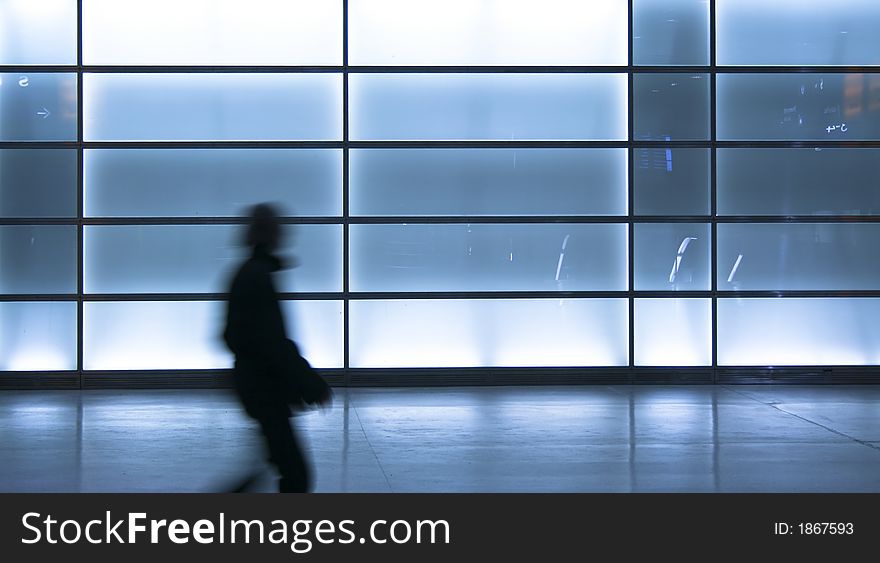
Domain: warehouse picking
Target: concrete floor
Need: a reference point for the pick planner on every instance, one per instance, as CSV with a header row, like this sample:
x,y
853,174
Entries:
x,y
566,439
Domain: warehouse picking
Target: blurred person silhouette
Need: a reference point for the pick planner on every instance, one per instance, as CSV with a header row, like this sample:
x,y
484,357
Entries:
x,y
270,375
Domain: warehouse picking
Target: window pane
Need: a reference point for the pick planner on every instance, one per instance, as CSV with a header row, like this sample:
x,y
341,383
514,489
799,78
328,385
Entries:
x,y
479,257
212,32
671,106
38,32
672,256
496,332
213,106
487,32
671,181
38,259
488,182
798,106
671,32
488,106
38,183
787,332
673,332
798,256
37,106
798,181
37,336
317,327
211,182
201,258
797,32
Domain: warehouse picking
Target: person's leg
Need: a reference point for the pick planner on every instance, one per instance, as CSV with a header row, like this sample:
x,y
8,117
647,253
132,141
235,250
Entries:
x,y
286,455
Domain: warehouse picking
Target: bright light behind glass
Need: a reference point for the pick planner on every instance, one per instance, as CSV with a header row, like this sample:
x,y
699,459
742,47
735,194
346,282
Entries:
x,y
37,336
212,32
488,32
793,331
673,332
37,32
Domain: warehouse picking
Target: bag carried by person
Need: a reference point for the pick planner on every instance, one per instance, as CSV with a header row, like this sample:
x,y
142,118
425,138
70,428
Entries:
x,y
305,385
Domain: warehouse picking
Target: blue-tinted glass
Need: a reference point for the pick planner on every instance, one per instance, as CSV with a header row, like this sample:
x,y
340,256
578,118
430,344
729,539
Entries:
x,y
673,332
38,182
487,32
797,32
37,336
488,181
201,258
488,106
794,331
798,256
798,181
212,32
671,106
672,256
38,32
670,181
480,257
211,182
671,32
494,332
213,106
798,106
37,106
38,259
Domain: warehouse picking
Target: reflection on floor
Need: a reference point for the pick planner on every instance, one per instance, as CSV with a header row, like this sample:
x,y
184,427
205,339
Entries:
x,y
590,438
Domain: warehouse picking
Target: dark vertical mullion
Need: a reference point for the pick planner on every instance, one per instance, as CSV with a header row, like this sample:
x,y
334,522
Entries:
x,y
629,188
345,200
713,183
79,193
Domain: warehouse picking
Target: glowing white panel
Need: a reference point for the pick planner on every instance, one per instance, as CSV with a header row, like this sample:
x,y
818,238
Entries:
x,y
38,259
202,258
38,32
475,333
38,106
671,32
212,32
37,182
210,182
794,331
672,256
797,32
212,106
187,334
487,32
673,332
485,257
488,181
37,336
488,106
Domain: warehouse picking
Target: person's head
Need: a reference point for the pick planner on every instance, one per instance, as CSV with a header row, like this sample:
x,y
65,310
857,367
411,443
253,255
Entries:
x,y
264,228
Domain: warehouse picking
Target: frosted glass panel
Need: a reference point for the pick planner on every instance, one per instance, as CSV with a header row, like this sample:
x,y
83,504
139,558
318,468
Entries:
x,y
671,32
187,334
212,32
38,32
789,332
487,32
37,336
37,106
797,32
38,259
671,181
488,106
671,106
672,256
201,258
38,183
211,182
212,106
798,181
798,106
461,257
673,332
502,332
798,256
488,181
